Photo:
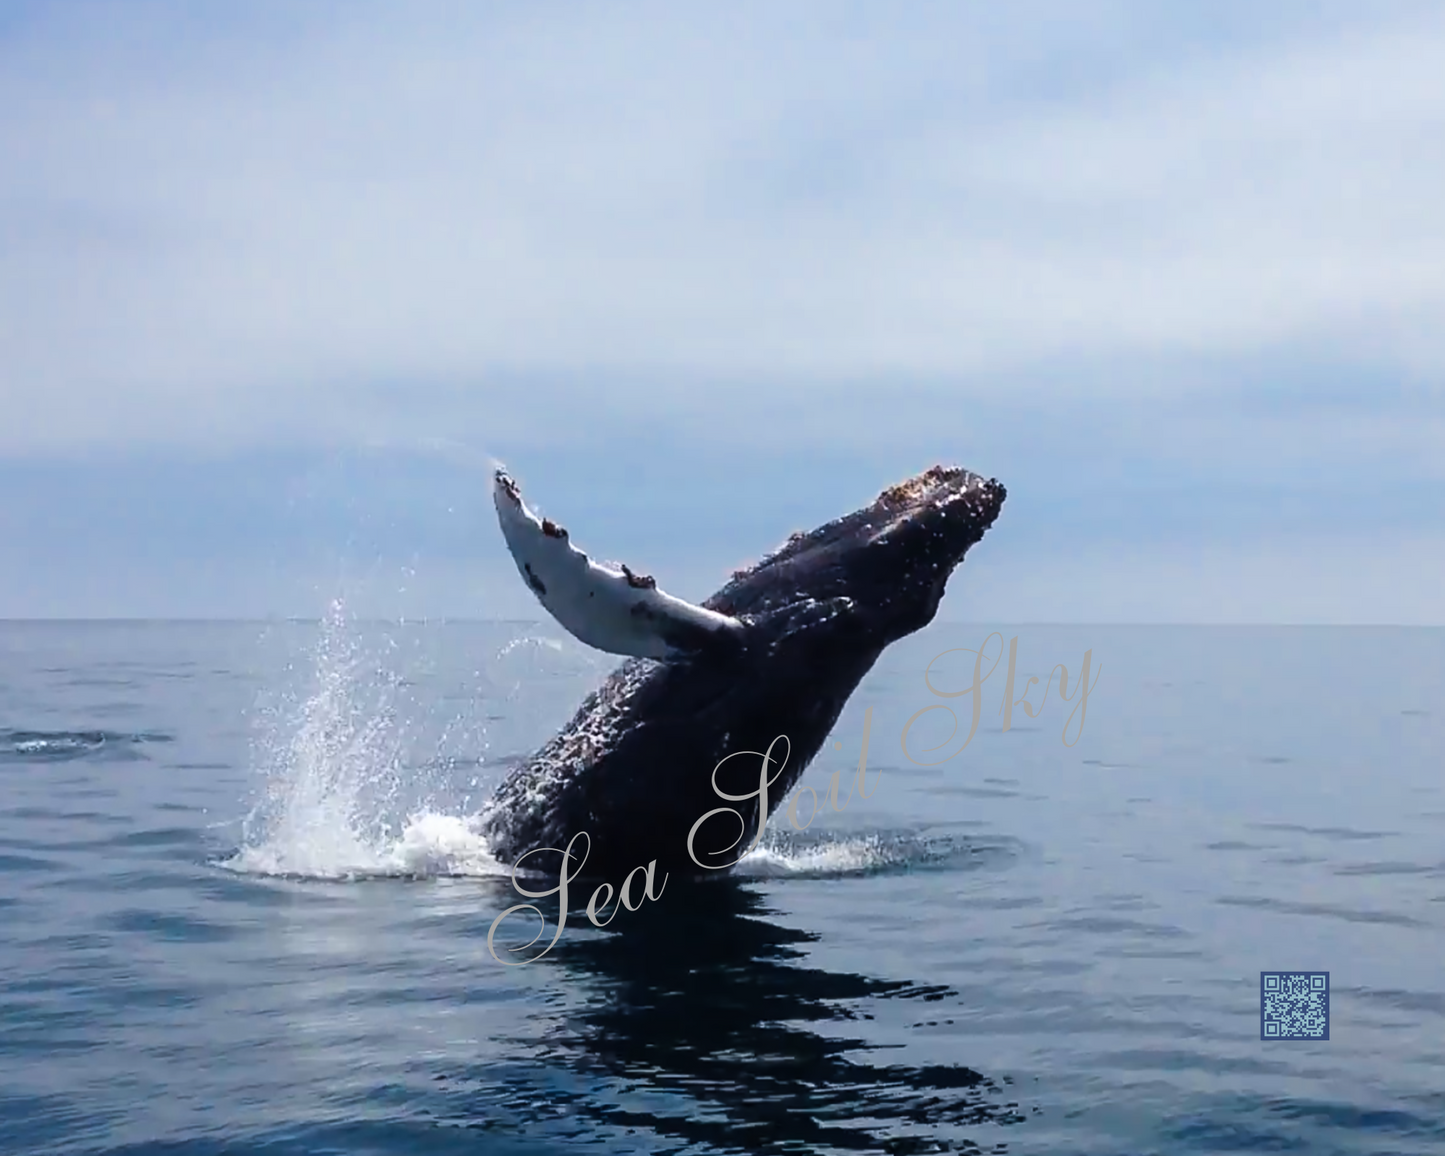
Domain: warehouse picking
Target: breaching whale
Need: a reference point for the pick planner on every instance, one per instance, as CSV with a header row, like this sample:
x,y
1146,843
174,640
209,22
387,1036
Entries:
x,y
776,652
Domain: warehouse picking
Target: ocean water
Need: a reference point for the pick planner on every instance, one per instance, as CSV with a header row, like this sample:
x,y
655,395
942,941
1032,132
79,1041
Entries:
x,y
244,906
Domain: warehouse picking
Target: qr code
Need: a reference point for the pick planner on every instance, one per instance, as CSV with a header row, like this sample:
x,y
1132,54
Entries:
x,y
1294,1005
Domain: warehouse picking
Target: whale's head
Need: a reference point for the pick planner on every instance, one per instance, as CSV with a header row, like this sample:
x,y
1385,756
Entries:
x,y
882,568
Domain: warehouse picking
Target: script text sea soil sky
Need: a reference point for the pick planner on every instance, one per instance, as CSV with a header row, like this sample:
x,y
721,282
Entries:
x,y
276,281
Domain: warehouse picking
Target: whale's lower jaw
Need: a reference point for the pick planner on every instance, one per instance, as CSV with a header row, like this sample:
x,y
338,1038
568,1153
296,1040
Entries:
x,y
634,769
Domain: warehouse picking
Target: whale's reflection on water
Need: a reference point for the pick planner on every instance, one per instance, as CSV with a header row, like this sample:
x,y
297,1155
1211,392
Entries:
x,y
702,1030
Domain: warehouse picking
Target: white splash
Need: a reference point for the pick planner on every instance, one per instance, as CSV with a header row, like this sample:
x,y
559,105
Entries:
x,y
784,855
529,640
334,768
828,858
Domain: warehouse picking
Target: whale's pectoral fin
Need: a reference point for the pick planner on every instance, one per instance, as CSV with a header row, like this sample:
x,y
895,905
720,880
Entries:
x,y
686,638
617,612
757,631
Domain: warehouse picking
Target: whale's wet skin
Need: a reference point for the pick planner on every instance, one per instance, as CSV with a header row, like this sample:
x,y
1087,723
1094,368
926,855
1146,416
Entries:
x,y
638,766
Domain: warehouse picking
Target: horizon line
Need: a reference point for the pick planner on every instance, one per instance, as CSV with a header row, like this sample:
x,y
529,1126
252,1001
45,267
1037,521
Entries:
x,y
444,619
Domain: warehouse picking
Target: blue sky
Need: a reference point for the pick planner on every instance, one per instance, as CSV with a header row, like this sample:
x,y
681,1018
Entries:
x,y
276,283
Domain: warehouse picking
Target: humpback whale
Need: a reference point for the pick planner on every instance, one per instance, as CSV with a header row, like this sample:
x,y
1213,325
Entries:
x,y
776,652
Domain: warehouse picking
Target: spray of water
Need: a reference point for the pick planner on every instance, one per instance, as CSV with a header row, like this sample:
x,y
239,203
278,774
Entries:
x,y
334,762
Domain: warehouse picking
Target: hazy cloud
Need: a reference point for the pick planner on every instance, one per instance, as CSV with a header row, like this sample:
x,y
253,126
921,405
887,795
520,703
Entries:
x,y
232,231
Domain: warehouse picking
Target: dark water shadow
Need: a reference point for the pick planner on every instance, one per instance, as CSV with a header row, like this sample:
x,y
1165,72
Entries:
x,y
698,1034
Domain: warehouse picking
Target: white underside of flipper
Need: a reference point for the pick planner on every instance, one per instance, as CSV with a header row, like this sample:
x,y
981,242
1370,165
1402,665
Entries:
x,y
614,610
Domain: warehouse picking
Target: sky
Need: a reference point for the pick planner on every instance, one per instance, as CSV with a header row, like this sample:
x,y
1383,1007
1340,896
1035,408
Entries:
x,y
278,281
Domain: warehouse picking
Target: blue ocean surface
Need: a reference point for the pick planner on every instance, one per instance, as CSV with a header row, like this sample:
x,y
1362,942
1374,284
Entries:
x,y
244,905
